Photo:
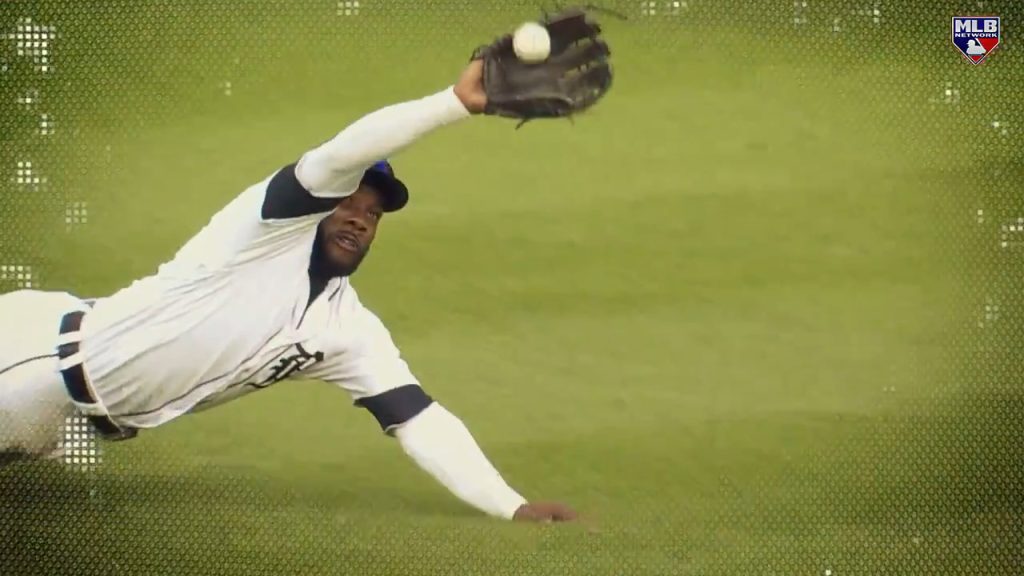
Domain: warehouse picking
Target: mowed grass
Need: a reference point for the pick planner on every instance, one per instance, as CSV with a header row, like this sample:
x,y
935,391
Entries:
x,y
707,315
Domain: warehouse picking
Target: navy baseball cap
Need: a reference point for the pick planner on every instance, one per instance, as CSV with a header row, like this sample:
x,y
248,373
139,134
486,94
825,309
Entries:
x,y
382,177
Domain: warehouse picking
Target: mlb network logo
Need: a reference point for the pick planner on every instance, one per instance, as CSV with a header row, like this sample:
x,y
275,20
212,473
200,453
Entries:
x,y
976,36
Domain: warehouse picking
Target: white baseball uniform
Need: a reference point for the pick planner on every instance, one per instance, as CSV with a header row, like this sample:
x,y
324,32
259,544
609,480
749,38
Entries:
x,y
228,316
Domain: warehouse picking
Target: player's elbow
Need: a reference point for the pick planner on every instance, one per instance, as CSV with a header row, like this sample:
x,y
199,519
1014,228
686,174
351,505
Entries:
x,y
395,407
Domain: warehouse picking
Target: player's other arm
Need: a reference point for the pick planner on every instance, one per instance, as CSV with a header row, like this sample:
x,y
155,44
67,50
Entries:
x,y
443,447
380,381
440,444
335,168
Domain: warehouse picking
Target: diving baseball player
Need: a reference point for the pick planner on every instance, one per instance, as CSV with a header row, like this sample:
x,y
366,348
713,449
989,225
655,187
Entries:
x,y
263,293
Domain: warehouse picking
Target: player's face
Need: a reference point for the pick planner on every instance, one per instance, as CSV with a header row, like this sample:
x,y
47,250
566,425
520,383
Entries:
x,y
346,235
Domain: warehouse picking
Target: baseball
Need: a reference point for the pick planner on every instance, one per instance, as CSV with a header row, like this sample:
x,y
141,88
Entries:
x,y
531,42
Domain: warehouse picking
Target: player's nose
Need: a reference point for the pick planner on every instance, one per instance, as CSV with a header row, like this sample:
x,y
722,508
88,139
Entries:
x,y
357,222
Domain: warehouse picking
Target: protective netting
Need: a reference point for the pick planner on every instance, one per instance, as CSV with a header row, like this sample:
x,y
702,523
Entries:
x,y
760,312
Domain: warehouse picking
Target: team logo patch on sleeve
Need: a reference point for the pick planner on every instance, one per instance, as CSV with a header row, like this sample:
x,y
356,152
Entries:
x,y
976,36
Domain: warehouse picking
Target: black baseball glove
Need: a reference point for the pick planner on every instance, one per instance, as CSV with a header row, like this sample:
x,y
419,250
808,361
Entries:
x,y
572,79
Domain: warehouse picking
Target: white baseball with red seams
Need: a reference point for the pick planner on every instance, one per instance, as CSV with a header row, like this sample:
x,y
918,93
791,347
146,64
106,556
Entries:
x,y
531,42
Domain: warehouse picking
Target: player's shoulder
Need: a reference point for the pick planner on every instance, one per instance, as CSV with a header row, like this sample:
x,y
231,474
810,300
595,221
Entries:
x,y
360,322
253,201
361,314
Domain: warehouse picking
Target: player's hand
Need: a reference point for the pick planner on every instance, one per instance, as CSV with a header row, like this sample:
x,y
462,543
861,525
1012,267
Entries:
x,y
470,87
545,512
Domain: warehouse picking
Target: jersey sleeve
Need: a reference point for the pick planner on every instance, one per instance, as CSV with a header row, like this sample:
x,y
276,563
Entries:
x,y
283,209
373,372
335,168
286,197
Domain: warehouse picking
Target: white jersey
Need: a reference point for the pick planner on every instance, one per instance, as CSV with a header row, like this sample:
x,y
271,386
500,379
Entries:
x,y
228,316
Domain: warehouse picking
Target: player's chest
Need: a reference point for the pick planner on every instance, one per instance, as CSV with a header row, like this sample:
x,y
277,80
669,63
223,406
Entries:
x,y
308,336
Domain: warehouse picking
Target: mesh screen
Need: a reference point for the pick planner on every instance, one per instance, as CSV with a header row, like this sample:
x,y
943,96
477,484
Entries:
x,y
758,312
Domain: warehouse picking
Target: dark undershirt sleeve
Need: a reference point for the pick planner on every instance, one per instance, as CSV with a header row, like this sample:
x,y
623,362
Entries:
x,y
396,406
286,198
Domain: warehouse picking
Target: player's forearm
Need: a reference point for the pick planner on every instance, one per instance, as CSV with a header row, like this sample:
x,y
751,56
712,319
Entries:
x,y
442,445
377,136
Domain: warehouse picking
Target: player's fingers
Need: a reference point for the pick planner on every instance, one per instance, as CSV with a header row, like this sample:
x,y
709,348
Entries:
x,y
563,513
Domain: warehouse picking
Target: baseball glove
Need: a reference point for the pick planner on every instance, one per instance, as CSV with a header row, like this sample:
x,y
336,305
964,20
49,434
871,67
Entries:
x,y
573,78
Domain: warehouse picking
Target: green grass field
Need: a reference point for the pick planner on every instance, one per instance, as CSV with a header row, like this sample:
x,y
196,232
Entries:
x,y
726,315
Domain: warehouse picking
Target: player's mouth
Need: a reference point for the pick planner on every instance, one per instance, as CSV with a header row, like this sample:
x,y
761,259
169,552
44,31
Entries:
x,y
347,241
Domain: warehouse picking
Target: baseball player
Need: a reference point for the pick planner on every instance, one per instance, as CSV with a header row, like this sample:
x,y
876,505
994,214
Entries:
x,y
263,293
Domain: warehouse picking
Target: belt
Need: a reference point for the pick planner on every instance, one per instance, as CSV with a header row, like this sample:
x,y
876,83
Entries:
x,y
77,384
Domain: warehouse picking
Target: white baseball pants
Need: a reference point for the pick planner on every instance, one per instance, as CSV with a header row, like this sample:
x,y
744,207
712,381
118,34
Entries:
x,y
34,404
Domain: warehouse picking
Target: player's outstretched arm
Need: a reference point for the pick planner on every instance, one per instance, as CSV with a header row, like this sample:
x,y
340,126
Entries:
x,y
442,445
335,167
